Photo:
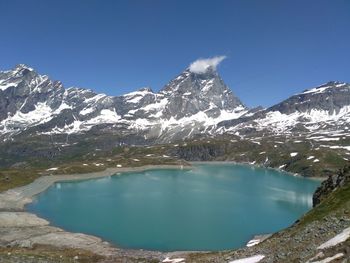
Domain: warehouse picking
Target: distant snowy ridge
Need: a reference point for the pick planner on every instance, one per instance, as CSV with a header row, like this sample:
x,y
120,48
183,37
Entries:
x,y
321,110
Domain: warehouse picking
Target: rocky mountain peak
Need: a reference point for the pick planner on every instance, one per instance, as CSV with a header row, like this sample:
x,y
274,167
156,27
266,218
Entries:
x,y
20,71
21,67
198,83
203,91
146,89
209,71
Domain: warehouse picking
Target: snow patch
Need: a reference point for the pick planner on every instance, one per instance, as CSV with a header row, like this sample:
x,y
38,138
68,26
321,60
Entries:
x,y
156,106
173,260
329,259
86,111
340,238
7,85
280,123
253,242
95,98
336,147
136,96
106,116
316,90
41,114
253,259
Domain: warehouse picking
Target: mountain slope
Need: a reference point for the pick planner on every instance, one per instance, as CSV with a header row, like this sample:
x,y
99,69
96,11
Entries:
x,y
324,110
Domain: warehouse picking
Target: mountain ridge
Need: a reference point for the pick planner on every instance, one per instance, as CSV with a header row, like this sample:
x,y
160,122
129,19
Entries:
x,y
190,104
30,92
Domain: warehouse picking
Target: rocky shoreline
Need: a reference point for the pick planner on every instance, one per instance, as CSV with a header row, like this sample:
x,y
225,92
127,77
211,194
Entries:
x,y
26,230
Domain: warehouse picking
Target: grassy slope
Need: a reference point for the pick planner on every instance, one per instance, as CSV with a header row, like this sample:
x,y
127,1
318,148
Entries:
x,y
11,177
269,151
21,162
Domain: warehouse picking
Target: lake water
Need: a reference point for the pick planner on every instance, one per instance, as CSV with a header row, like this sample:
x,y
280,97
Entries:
x,y
212,207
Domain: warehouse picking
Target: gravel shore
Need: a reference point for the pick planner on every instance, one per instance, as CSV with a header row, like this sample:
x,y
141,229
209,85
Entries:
x,y
21,229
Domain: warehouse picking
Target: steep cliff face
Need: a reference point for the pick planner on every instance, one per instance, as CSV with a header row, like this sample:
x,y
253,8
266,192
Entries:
x,y
333,183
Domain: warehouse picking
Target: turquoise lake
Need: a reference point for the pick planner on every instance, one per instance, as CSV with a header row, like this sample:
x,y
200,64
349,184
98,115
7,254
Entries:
x,y
211,207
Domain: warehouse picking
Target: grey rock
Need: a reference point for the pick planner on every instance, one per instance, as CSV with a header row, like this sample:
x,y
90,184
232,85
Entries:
x,y
331,184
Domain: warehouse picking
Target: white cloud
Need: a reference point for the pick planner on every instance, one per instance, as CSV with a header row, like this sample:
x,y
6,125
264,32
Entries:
x,y
200,66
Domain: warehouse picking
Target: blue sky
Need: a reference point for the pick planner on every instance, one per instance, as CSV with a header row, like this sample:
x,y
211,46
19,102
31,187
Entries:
x,y
274,48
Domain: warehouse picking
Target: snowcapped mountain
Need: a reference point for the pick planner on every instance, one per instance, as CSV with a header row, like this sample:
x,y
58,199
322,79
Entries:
x,y
196,102
321,110
190,104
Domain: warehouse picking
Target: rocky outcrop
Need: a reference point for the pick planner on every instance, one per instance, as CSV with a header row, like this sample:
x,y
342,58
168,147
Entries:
x,y
200,152
21,229
333,183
